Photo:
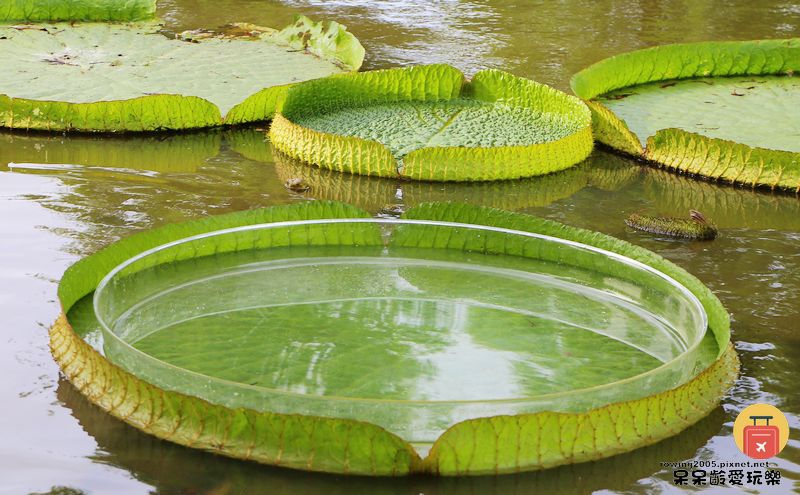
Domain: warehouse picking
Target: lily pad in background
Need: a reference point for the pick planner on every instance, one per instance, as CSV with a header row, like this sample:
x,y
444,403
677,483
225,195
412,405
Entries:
x,y
429,123
720,110
76,10
128,77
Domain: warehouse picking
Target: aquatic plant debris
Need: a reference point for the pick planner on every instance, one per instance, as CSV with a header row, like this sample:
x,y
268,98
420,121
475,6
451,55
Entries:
x,y
695,227
480,446
429,123
720,110
129,77
296,184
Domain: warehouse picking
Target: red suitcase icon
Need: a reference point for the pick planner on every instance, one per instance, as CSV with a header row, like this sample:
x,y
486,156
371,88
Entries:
x,y
761,442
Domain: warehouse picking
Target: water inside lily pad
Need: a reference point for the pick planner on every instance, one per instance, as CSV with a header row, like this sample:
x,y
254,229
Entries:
x,y
406,337
759,111
410,325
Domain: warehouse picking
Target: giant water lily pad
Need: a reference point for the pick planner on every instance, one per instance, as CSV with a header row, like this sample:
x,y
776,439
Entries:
x,y
429,123
76,10
296,396
721,110
128,77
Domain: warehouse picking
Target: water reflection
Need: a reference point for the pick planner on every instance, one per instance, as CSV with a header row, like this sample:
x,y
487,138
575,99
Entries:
x,y
169,153
601,170
729,207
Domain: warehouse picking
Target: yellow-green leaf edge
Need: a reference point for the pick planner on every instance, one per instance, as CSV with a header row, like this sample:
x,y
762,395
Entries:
x,y
428,83
502,444
712,158
172,112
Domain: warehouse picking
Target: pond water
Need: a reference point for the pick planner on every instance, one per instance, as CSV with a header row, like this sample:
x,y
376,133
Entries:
x,y
62,198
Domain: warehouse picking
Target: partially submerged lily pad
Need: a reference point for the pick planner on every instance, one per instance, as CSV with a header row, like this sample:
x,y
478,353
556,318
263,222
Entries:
x,y
129,77
428,123
694,227
666,400
721,110
76,10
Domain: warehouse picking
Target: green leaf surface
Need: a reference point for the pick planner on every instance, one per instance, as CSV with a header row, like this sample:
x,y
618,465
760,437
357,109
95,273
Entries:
x,y
427,123
613,131
686,228
128,77
76,10
721,110
747,110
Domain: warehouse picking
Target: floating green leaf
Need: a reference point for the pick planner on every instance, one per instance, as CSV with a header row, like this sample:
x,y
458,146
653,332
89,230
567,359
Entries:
x,y
482,445
721,110
428,123
76,10
695,227
128,77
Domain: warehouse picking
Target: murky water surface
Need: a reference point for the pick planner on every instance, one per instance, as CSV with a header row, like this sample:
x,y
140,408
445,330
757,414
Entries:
x,y
63,198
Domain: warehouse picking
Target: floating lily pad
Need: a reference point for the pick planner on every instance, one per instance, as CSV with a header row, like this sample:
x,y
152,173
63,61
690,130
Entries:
x,y
128,77
428,123
721,110
696,227
369,407
76,10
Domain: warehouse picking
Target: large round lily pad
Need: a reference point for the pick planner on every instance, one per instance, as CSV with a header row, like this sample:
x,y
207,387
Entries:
x,y
429,123
129,77
197,410
721,110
